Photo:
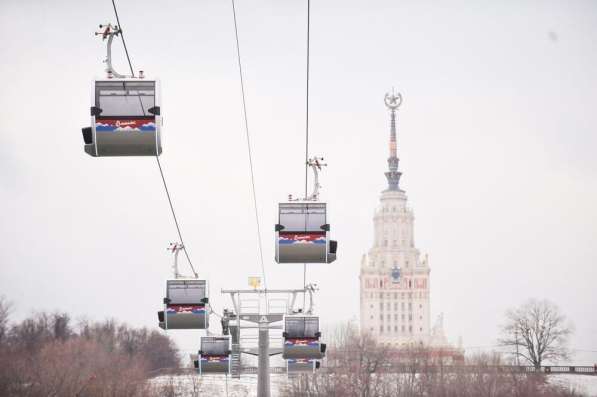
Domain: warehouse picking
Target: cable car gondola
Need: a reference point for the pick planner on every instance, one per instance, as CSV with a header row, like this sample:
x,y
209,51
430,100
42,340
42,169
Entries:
x,y
125,112
301,338
214,356
302,232
301,366
125,119
185,305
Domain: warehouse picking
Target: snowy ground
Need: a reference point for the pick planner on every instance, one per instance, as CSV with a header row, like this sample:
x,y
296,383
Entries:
x,y
586,384
193,385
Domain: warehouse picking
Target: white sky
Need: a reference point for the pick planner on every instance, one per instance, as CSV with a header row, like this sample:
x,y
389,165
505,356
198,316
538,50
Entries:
x,y
496,138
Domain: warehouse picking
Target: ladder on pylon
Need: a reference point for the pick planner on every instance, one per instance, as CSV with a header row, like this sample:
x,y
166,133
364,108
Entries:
x,y
235,364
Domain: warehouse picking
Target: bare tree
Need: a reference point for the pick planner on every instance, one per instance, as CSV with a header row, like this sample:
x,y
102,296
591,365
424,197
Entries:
x,y
5,307
43,355
356,366
536,332
32,333
60,323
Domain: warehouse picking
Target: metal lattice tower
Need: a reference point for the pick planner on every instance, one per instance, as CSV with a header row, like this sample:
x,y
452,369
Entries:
x,y
259,309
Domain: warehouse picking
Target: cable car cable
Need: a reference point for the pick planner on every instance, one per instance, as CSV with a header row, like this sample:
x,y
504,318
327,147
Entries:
x,y
156,157
184,247
307,131
242,87
307,100
126,51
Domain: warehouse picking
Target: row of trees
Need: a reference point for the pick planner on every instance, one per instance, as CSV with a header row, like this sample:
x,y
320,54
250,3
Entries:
x,y
359,367
534,333
47,355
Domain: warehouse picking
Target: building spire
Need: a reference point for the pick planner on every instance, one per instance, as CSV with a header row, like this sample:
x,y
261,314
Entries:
x,y
393,102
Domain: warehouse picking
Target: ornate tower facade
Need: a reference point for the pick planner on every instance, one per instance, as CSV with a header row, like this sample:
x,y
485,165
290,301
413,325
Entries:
x,y
394,279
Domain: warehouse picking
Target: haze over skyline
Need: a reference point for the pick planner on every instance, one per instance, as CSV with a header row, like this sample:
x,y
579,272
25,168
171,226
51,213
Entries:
x,y
496,140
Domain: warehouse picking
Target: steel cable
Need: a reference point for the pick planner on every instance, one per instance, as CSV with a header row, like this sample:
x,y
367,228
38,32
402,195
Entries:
x,y
244,102
184,247
307,133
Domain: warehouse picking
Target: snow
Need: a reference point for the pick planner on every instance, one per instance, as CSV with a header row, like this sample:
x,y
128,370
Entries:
x,y
194,385
585,384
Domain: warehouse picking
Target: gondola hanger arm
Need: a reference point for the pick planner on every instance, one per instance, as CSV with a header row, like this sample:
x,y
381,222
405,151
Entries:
x,y
316,164
310,288
176,248
109,31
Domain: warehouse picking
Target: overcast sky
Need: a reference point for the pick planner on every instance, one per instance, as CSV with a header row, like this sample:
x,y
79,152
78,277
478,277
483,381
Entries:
x,y
496,138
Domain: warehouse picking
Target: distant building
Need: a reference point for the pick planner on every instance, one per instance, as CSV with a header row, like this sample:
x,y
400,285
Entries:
x,y
394,277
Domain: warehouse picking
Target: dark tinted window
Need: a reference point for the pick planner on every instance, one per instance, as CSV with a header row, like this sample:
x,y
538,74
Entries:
x,y
125,98
297,217
302,327
186,291
214,346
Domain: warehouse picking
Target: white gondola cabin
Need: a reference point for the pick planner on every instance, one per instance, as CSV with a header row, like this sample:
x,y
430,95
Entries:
x,y
185,305
301,338
214,356
125,118
303,234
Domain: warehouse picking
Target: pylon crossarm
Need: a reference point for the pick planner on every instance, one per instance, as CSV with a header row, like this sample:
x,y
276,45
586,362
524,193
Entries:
x,y
263,291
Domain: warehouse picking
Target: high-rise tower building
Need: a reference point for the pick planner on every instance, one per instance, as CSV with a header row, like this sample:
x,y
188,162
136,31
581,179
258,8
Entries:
x,y
394,278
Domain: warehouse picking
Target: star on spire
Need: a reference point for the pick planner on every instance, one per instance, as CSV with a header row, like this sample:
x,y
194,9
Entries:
x,y
393,102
